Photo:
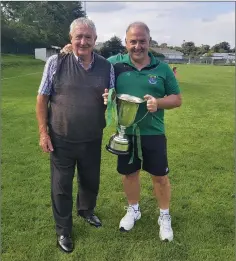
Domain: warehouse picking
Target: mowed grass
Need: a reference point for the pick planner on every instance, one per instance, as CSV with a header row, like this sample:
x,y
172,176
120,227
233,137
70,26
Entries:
x,y
201,159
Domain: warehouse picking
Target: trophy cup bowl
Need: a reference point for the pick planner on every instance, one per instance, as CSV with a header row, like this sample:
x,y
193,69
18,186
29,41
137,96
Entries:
x,y
127,107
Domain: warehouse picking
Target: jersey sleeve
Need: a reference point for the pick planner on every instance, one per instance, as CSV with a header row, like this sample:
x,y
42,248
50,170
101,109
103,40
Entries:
x,y
115,59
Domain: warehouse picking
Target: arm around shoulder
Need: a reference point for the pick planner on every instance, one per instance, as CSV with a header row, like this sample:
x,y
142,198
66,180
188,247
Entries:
x,y
115,58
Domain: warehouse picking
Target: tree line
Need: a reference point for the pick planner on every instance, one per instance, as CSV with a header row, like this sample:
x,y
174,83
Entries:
x,y
29,25
190,49
114,46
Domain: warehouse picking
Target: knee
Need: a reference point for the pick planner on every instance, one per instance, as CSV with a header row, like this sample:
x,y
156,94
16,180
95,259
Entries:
x,y
134,176
161,180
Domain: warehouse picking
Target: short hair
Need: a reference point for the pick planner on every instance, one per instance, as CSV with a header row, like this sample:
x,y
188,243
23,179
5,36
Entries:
x,y
84,21
134,24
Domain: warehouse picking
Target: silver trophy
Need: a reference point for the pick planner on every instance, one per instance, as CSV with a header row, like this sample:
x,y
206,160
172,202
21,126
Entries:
x,y
127,107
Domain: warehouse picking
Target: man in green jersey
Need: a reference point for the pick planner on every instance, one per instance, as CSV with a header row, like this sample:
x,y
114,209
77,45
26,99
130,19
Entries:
x,y
140,74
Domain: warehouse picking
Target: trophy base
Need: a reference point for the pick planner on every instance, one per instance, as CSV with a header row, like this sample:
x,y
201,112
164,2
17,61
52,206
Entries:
x,y
118,145
116,152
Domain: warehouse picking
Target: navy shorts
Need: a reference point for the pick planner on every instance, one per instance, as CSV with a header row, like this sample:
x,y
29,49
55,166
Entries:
x,y
154,153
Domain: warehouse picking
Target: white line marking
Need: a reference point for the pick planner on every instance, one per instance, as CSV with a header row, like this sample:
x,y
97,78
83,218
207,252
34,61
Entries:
x,y
20,76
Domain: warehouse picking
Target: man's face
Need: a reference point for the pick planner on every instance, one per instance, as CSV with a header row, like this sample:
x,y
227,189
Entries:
x,y
137,43
83,40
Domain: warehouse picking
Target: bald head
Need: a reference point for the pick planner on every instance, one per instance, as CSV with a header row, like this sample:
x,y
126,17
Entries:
x,y
137,42
138,25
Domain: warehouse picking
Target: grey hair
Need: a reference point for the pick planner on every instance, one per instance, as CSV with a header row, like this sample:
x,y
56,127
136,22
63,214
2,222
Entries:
x,y
138,24
83,21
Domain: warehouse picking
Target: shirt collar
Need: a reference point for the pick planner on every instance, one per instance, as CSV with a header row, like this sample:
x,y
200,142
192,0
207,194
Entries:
x,y
153,60
79,59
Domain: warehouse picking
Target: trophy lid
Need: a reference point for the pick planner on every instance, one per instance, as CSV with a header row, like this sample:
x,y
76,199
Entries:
x,y
130,98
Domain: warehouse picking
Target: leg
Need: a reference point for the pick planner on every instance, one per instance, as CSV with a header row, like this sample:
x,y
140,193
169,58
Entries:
x,y
162,191
131,185
89,161
155,162
62,173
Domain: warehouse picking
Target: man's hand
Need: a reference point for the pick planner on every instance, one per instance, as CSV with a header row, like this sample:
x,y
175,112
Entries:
x,y
105,96
151,103
45,142
66,49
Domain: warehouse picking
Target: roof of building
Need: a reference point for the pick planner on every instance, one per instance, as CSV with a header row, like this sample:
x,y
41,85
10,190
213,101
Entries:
x,y
55,47
166,51
220,54
50,47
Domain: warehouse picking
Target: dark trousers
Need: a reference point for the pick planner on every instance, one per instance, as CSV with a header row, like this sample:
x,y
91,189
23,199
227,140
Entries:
x,y
66,157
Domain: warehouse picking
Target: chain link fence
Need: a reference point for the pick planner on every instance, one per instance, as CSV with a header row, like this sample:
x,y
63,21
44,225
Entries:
x,y
200,60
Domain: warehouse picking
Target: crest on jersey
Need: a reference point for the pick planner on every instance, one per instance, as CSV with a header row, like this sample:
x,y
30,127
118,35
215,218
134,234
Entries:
x,y
152,79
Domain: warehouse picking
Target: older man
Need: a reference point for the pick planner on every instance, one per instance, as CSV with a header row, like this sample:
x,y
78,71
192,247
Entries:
x,y
71,117
140,74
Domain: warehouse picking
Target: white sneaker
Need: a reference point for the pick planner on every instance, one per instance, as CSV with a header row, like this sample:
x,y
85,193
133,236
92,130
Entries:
x,y
128,221
166,232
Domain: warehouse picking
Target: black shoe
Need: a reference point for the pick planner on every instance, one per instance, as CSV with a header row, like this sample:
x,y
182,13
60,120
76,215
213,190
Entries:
x,y
91,219
65,243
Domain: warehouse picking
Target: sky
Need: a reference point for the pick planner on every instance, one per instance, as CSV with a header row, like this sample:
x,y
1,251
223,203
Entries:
x,y
169,22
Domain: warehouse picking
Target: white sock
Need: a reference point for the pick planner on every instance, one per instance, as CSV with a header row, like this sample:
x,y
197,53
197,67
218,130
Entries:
x,y
135,206
164,212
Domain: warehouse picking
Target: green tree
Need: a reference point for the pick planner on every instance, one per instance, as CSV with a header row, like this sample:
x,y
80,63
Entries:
x,y
204,49
163,45
223,47
112,47
215,48
189,48
153,43
37,24
179,49
209,53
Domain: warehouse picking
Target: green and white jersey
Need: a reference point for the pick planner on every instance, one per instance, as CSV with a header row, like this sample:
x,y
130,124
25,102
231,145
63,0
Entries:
x,y
156,79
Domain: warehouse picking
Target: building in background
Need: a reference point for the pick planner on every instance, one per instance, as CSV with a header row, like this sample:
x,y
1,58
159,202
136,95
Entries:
x,y
44,53
169,54
230,57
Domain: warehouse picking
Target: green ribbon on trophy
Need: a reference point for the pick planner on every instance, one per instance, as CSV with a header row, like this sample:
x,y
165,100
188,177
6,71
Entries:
x,y
125,107
111,106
